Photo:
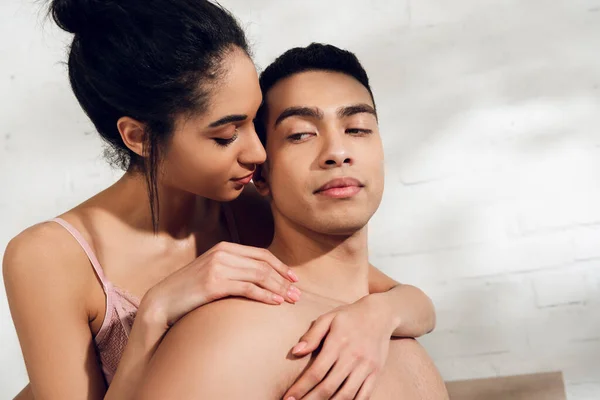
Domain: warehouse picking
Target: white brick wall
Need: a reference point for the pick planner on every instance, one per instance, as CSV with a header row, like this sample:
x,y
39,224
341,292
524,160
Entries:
x,y
490,115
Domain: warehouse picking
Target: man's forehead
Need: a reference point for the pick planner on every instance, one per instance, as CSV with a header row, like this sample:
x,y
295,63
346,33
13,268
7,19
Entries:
x,y
316,85
323,90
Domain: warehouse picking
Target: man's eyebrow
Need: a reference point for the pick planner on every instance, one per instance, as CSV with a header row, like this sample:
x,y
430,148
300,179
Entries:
x,y
348,111
228,119
299,112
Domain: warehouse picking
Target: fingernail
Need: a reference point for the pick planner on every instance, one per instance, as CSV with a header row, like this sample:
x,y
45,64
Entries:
x,y
295,289
299,347
293,295
291,398
292,275
278,299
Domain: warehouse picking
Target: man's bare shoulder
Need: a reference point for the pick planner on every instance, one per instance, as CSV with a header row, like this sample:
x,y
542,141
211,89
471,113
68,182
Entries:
x,y
226,349
410,372
232,316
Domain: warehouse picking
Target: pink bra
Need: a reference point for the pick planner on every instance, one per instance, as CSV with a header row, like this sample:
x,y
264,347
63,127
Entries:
x,y
121,307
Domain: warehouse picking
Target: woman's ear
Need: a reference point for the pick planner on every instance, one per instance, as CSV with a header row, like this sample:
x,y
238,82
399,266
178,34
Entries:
x,y
133,134
260,179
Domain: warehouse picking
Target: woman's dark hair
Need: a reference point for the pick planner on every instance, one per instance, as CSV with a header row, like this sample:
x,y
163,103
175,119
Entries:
x,y
150,60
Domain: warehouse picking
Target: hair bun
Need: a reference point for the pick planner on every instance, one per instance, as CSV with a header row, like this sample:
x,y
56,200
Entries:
x,y
77,16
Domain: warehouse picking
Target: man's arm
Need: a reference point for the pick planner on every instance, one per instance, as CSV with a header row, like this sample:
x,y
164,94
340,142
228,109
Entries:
x,y
229,349
412,310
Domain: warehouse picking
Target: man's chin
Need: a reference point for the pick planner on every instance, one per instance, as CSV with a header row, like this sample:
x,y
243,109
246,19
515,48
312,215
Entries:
x,y
342,228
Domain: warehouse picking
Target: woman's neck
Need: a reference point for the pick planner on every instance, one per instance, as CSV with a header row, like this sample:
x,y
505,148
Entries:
x,y
179,213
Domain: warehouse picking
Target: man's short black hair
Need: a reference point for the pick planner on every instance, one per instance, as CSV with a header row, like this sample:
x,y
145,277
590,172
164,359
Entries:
x,y
316,57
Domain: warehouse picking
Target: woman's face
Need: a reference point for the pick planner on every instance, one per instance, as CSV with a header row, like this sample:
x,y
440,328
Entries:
x,y
214,154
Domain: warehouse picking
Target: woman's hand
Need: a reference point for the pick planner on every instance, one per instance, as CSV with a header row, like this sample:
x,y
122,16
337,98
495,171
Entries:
x,y
227,269
356,341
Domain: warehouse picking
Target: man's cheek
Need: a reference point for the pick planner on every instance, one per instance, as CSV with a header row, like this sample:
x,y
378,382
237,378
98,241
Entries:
x,y
282,184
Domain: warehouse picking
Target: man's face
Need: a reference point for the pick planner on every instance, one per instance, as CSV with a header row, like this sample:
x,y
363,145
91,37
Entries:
x,y
324,153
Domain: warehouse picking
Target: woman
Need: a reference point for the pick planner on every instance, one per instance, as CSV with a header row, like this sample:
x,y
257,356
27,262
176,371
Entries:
x,y
171,88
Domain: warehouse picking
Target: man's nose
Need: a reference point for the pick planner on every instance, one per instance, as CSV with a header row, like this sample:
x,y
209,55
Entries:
x,y
336,151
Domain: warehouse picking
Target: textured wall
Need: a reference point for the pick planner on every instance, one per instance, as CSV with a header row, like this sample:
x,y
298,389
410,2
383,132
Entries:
x,y
490,113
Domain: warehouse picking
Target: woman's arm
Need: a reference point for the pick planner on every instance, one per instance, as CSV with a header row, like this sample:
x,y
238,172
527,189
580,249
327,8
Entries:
x,y
46,285
358,334
49,281
225,270
144,338
411,310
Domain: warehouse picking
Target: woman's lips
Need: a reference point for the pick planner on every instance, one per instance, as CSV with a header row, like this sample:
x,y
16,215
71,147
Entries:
x,y
245,180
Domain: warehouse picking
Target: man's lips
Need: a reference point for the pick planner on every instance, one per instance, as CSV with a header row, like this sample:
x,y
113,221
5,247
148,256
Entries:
x,y
340,188
244,180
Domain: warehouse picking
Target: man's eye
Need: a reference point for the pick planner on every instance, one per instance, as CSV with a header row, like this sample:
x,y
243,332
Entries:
x,y
298,137
359,131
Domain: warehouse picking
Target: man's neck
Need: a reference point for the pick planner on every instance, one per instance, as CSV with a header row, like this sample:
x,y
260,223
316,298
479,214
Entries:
x,y
332,266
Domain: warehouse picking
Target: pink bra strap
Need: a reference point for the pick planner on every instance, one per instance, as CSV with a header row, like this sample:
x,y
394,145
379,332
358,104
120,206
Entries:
x,y
87,248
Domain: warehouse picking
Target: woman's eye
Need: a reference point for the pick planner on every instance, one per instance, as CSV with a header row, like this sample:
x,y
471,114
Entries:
x,y
359,131
298,137
224,142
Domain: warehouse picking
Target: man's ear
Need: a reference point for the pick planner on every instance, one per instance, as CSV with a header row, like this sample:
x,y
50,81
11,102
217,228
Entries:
x,y
260,179
133,134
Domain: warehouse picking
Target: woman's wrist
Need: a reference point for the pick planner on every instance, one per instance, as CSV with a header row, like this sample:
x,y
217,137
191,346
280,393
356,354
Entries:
x,y
383,311
151,316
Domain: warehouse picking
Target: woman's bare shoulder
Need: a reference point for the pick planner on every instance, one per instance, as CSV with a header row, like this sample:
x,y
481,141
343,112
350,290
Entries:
x,y
43,238
44,251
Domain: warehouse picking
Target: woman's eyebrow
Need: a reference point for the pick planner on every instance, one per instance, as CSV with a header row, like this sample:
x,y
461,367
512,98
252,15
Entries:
x,y
228,119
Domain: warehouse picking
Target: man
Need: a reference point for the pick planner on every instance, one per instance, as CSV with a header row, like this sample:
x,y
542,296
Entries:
x,y
324,179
